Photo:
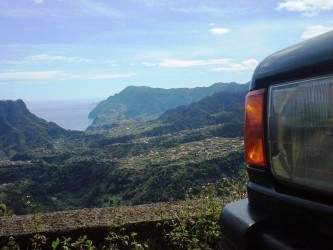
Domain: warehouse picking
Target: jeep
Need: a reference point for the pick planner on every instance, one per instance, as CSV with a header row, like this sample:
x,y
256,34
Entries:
x,y
288,138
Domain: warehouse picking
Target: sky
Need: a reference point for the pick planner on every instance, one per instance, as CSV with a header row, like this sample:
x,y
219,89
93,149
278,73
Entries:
x,y
85,49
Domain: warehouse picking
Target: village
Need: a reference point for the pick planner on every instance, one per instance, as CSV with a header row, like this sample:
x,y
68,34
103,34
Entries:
x,y
188,152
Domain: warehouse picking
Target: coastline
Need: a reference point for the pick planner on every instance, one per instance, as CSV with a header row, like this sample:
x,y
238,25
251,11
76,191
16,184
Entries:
x,y
69,114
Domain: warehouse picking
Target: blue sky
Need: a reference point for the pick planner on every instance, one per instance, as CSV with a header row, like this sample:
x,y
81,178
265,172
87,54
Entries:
x,y
79,49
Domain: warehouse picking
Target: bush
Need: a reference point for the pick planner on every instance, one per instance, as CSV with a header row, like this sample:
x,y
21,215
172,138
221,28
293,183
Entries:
x,y
197,225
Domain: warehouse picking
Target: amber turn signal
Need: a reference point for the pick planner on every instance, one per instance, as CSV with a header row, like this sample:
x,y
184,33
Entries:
x,y
254,128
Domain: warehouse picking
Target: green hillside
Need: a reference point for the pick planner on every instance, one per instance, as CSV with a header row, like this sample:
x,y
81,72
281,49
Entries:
x,y
135,162
221,108
136,102
21,130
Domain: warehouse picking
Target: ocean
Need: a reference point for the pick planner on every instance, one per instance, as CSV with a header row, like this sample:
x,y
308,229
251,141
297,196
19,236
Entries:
x,y
72,114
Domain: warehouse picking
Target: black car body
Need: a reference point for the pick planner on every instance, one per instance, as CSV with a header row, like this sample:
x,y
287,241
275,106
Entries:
x,y
289,152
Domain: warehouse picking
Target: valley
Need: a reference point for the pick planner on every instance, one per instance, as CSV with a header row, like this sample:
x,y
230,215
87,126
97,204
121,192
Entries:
x,y
138,160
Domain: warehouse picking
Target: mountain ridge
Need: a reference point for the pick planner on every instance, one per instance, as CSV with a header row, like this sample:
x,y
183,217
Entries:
x,y
135,101
214,109
21,130
112,168
220,108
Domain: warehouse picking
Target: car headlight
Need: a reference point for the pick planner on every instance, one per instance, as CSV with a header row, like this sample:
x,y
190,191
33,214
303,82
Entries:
x,y
300,132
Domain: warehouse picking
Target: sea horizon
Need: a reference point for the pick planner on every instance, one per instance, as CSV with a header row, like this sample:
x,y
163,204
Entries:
x,y
68,114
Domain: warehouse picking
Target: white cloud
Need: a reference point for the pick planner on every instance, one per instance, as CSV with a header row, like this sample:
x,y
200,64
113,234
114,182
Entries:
x,y
315,30
147,64
100,76
172,63
30,75
245,65
113,62
95,8
39,1
224,64
57,75
42,58
306,7
219,31
54,58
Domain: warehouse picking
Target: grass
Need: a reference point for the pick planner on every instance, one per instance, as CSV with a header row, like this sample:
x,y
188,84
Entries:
x,y
195,226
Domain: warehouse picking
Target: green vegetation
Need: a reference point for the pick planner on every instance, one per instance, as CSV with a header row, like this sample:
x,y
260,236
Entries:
x,y
21,130
138,102
134,163
220,108
4,211
104,183
129,156
195,226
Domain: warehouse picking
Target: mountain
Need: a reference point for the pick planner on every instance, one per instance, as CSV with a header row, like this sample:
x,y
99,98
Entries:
x,y
221,108
134,102
112,169
21,130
